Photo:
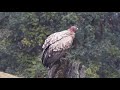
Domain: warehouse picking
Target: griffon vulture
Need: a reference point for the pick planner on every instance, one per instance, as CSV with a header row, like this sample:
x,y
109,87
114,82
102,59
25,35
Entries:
x,y
56,45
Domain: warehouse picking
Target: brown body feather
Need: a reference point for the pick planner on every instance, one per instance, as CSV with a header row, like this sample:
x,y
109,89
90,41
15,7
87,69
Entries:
x,y
50,58
55,46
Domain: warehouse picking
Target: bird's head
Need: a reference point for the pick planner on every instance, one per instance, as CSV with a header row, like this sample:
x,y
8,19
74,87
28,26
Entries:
x,y
73,29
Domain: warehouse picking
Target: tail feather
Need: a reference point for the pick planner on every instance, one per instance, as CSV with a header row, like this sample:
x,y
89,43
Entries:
x,y
48,61
45,57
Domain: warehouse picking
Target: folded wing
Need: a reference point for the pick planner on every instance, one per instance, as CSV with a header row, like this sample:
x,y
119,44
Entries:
x,y
55,49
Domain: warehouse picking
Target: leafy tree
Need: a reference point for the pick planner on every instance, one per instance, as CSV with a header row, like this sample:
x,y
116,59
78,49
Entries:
x,y
96,44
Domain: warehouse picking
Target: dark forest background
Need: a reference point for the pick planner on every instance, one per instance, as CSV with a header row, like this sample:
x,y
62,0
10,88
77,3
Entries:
x,y
97,42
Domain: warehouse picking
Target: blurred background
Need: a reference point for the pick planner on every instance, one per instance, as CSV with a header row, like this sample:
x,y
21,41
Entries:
x,y
97,42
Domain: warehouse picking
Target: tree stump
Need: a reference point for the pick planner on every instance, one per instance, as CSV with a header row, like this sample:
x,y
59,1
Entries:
x,y
67,69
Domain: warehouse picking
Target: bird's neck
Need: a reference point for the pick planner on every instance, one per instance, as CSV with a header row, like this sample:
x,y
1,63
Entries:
x,y
72,33
71,30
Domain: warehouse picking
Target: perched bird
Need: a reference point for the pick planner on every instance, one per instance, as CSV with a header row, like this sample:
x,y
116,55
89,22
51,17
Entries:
x,y
56,45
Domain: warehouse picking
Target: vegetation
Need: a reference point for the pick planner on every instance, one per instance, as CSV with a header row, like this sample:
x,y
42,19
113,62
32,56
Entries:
x,y
97,42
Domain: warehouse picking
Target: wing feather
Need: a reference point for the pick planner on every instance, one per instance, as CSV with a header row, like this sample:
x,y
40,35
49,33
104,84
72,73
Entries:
x,y
54,38
55,51
63,44
55,47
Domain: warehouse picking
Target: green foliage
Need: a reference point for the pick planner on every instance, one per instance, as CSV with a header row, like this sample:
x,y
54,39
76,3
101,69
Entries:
x,y
91,72
96,43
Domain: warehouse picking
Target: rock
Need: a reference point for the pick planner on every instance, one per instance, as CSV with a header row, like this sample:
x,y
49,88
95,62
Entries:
x,y
6,75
